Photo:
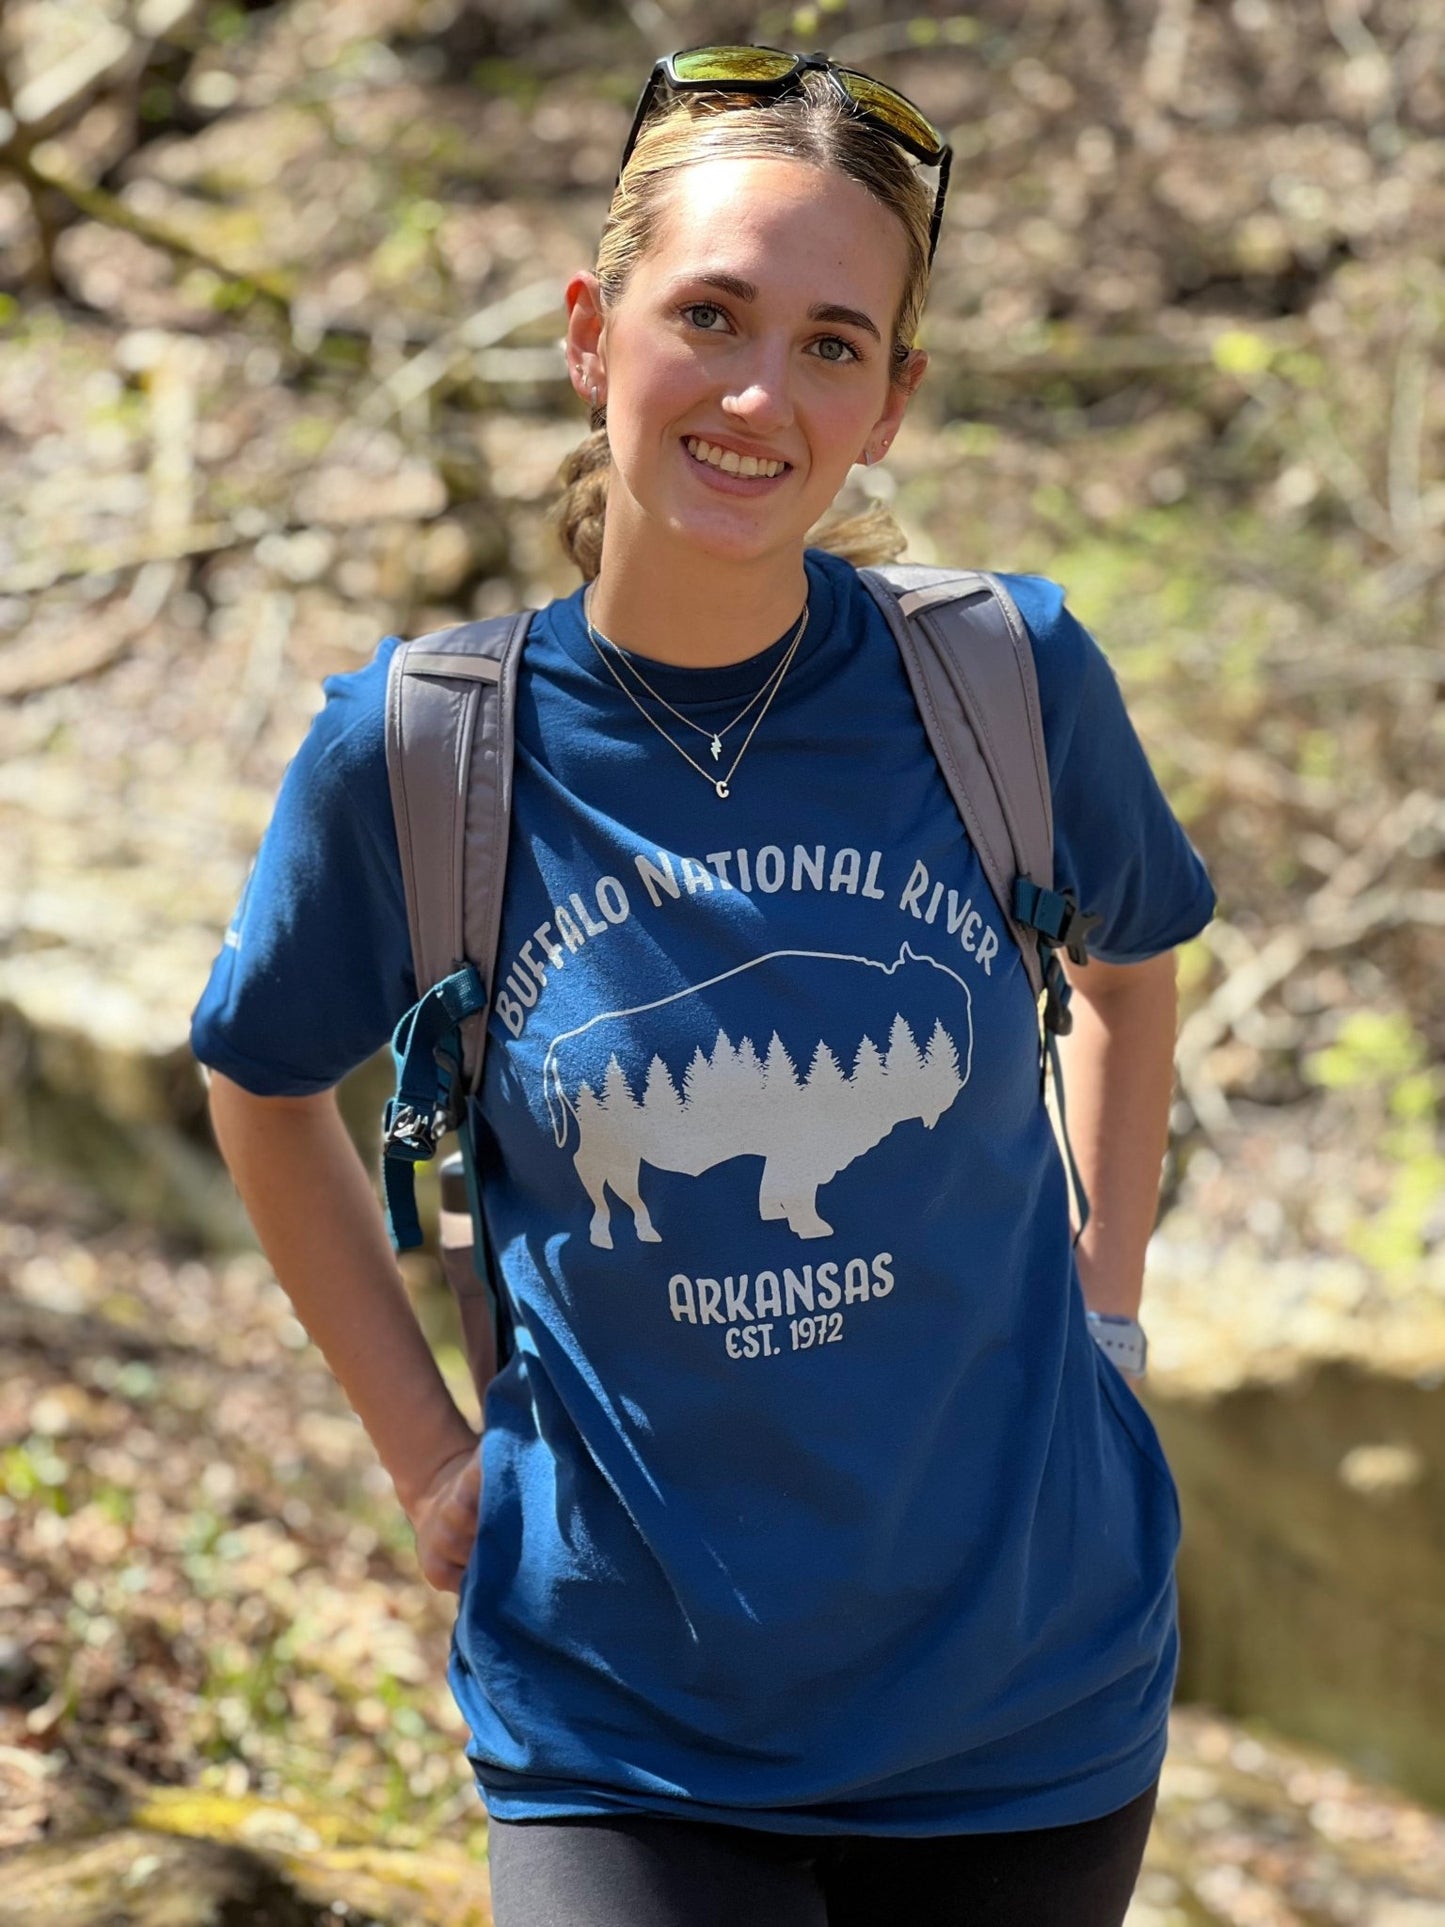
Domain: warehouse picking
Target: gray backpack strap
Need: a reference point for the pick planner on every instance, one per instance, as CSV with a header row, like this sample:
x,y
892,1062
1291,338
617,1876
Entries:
x,y
971,666
450,704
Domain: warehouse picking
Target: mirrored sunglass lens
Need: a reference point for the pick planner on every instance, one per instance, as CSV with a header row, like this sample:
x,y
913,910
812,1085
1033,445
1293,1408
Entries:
x,y
732,63
894,111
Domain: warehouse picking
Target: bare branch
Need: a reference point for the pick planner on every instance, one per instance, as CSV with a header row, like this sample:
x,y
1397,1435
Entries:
x,y
1343,910
1407,428
480,331
99,205
110,56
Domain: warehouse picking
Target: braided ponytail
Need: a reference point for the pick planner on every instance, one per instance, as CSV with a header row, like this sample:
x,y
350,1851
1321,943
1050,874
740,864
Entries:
x,y
581,510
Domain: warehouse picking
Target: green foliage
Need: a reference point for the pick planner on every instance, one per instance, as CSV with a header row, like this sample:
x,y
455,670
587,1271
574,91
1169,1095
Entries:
x,y
227,296
309,434
1301,368
157,103
1239,352
1195,961
409,246
1318,754
511,80
1382,1059
34,1473
136,1381
227,23
1372,1049
117,1503
203,1528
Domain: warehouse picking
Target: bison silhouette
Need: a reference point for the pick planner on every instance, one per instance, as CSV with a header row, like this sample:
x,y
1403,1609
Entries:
x,y
736,1100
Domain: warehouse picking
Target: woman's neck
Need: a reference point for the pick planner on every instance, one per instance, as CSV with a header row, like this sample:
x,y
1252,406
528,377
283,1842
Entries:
x,y
697,611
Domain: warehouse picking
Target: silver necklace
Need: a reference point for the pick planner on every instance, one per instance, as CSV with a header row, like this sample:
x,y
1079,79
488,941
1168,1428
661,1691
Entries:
x,y
714,736
720,784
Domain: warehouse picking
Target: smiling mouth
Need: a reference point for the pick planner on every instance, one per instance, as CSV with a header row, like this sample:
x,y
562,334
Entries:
x,y
732,464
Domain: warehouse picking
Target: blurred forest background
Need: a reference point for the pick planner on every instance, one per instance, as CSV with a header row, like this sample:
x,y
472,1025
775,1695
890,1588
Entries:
x,y
280,304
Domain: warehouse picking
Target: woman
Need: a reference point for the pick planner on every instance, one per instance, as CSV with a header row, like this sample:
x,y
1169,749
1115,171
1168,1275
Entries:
x,y
825,1564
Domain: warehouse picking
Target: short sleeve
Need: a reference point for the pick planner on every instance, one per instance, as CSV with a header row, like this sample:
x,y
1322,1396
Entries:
x,y
316,967
1117,843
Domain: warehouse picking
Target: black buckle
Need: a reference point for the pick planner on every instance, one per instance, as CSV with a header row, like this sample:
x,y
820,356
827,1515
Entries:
x,y
1076,929
1055,918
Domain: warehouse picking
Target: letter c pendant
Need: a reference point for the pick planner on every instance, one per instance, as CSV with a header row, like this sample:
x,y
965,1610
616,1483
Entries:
x,y
722,790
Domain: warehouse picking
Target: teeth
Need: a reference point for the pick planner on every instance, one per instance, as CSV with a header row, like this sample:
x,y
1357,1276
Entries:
x,y
728,462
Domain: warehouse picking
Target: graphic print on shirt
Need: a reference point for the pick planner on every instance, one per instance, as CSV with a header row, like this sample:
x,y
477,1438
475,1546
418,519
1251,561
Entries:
x,y
703,1099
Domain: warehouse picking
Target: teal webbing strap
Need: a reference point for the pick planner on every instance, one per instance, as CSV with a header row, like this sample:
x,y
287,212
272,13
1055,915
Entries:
x,y
426,1050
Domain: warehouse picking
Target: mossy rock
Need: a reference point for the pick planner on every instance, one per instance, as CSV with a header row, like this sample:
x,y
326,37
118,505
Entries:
x,y
195,1859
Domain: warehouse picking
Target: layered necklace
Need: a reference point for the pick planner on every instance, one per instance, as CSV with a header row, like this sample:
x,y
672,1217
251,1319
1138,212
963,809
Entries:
x,y
764,694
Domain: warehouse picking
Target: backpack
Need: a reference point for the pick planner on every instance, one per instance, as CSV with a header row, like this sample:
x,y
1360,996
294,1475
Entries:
x,y
450,706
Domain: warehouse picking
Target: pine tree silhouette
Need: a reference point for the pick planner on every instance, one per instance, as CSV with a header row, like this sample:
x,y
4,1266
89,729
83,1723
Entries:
x,y
829,1103
904,1060
731,1103
616,1092
779,1071
659,1098
941,1079
824,1073
868,1068
941,1050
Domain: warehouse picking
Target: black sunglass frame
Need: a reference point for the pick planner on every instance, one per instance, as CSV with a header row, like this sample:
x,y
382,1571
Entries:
x,y
665,75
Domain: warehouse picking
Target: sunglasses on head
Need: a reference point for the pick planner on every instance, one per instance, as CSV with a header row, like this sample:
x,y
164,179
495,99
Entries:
x,y
772,73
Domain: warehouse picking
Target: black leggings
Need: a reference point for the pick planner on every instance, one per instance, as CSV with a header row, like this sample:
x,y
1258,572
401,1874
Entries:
x,y
625,1872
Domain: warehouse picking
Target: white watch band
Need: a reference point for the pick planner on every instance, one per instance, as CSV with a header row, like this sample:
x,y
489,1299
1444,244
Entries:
x,y
1121,1339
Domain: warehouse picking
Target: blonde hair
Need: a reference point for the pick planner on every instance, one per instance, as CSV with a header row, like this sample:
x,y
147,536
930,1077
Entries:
x,y
812,125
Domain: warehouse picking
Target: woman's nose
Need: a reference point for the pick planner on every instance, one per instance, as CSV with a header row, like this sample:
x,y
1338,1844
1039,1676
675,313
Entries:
x,y
761,393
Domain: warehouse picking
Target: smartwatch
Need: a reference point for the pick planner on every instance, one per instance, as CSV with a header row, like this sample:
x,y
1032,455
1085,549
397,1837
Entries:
x,y
1121,1339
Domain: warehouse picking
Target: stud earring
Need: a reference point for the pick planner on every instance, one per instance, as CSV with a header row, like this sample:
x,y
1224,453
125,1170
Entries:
x,y
594,394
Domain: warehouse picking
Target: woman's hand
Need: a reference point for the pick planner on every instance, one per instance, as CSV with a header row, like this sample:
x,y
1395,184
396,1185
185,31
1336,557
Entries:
x,y
315,1210
444,1518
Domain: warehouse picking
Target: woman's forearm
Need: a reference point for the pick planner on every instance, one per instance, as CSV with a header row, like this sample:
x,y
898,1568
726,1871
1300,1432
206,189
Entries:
x,y
1118,1078
320,1224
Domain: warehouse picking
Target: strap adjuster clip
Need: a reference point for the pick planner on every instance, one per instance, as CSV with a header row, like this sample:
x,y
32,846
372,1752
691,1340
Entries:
x,y
1077,927
1055,918
409,1133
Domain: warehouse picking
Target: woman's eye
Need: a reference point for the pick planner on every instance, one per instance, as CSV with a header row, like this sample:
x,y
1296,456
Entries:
x,y
703,314
834,348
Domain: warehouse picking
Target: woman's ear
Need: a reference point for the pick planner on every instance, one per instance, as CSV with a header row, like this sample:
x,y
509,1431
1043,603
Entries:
x,y
914,371
586,365
900,393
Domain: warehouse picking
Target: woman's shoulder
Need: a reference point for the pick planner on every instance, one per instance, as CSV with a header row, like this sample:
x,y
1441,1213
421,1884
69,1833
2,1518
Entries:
x,y
348,733
1061,644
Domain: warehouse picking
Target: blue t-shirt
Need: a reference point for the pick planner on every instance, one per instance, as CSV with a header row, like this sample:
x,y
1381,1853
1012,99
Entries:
x,y
808,1501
